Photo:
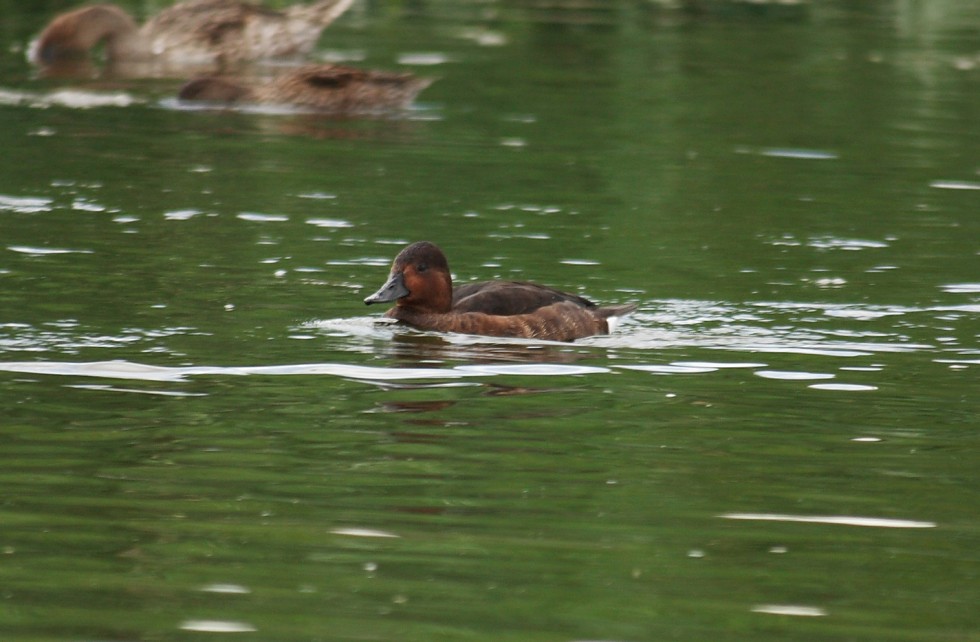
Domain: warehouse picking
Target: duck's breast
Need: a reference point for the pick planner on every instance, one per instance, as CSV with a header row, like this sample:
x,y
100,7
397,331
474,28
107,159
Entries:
x,y
562,321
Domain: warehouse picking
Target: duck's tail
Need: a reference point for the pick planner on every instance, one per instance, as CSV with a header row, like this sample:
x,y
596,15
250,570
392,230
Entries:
x,y
614,314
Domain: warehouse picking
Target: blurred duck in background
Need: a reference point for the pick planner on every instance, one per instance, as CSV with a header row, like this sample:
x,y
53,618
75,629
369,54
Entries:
x,y
324,87
195,33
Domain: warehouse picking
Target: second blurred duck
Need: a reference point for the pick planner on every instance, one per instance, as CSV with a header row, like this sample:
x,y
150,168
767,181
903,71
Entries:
x,y
323,87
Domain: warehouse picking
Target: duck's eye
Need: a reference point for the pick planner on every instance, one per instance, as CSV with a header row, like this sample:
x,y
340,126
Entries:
x,y
421,267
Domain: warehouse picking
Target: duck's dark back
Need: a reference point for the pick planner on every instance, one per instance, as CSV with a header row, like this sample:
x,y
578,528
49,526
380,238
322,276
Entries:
x,y
510,297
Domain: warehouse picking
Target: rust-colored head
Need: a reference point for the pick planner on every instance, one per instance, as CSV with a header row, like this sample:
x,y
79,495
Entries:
x,y
419,280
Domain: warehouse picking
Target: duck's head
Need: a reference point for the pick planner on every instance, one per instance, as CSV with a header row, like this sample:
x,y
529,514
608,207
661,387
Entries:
x,y
419,279
72,35
214,89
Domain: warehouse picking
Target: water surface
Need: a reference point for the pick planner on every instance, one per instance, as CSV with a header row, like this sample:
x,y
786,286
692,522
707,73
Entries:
x,y
206,434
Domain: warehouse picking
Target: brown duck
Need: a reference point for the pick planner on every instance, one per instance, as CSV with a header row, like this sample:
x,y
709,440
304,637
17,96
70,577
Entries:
x,y
193,33
328,88
422,289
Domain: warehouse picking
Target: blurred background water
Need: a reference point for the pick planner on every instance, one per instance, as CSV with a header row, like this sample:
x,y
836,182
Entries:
x,y
204,431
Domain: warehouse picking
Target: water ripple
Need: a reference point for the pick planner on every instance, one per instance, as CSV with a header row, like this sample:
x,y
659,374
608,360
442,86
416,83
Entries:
x,y
71,98
120,369
217,626
45,251
24,204
842,520
789,609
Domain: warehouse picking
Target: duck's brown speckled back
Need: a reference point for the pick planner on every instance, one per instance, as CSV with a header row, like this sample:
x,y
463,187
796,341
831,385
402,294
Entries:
x,y
329,88
338,88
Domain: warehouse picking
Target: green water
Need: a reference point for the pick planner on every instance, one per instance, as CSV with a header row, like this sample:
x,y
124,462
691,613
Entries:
x,y
205,433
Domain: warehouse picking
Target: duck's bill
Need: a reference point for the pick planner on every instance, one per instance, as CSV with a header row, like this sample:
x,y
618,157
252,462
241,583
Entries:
x,y
393,289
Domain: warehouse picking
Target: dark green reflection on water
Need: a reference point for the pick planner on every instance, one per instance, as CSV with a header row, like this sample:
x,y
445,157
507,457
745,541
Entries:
x,y
789,195
516,512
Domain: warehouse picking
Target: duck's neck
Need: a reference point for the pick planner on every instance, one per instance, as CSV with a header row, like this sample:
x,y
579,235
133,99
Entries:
x,y
74,34
322,12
